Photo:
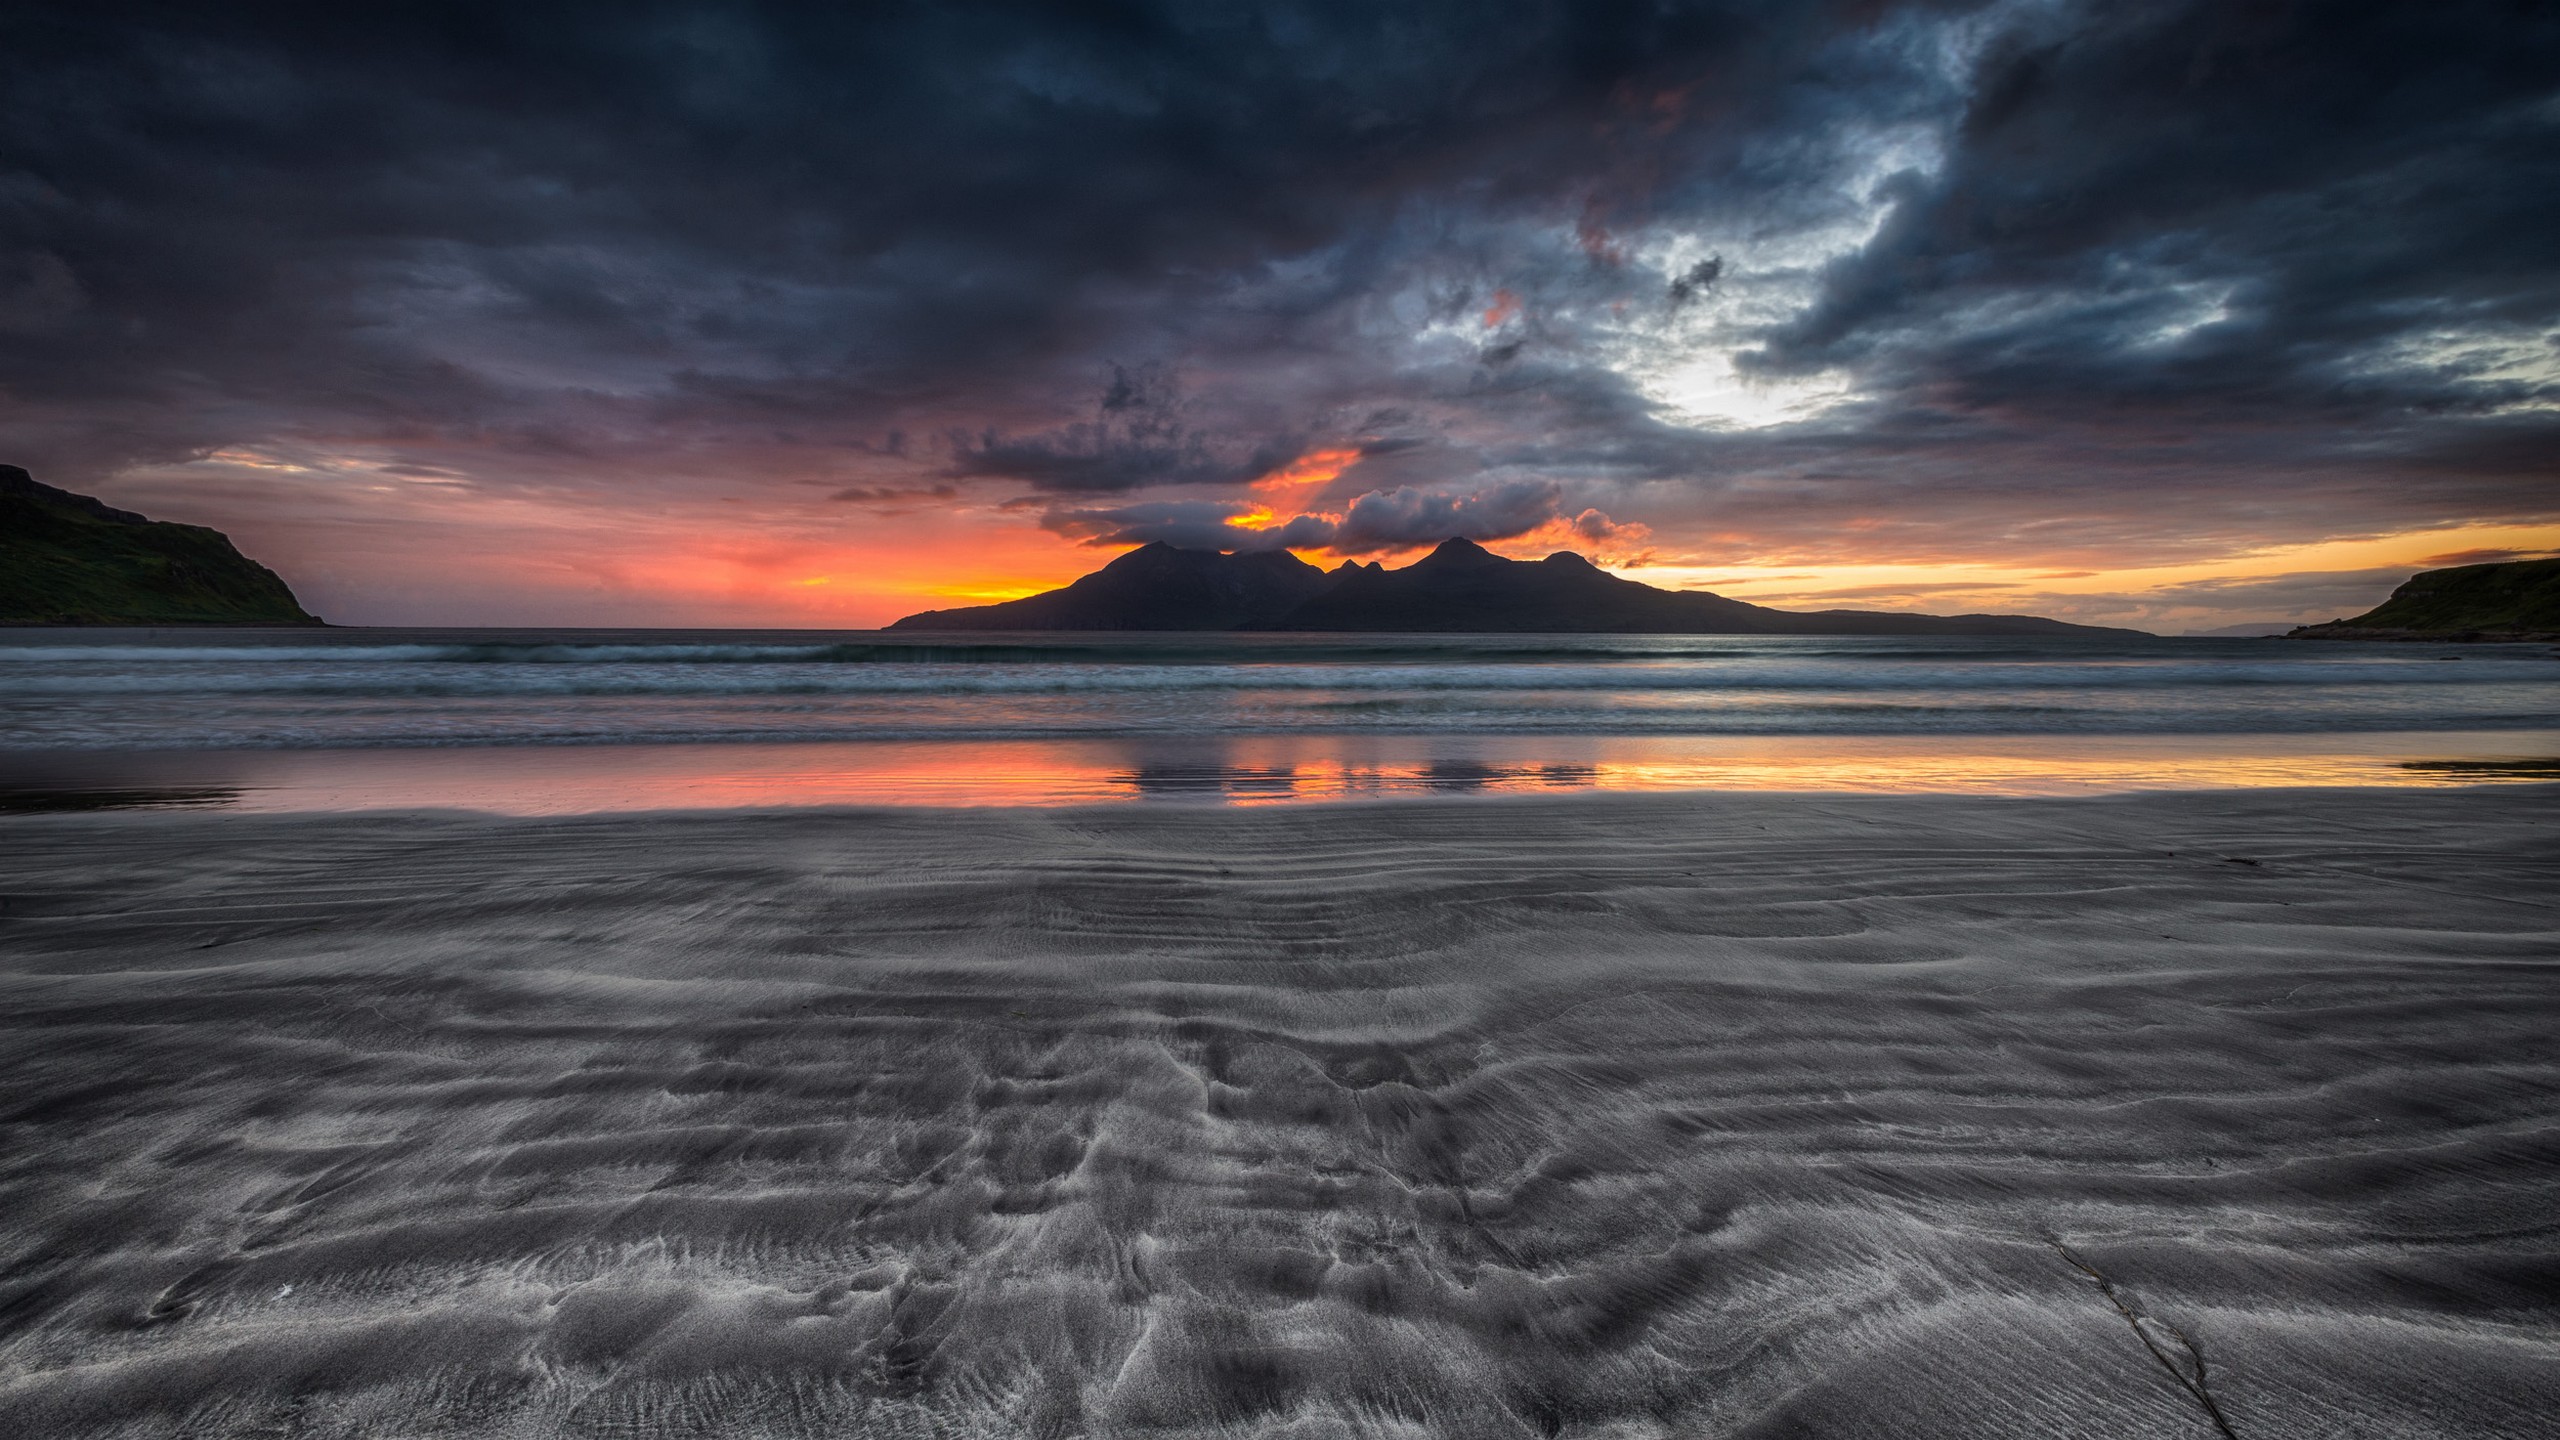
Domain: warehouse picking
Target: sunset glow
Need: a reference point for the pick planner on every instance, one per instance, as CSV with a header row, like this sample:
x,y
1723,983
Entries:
x,y
805,563
2170,596
1308,472
1802,378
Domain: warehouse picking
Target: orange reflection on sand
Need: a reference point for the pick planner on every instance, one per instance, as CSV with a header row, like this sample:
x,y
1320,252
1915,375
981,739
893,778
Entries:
x,y
1276,770
536,780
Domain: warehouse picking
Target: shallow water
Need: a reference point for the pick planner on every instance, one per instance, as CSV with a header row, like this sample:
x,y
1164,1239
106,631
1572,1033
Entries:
x,y
1239,770
288,689
541,722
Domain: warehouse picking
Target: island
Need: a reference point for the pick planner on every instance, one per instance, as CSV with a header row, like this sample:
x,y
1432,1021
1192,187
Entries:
x,y
1458,587
2505,600
68,559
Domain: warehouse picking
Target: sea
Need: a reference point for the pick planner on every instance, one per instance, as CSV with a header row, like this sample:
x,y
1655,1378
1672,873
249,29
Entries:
x,y
559,721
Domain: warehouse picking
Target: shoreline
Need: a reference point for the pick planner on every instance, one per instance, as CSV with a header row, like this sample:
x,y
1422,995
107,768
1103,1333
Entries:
x,y
1242,770
2383,634
1724,1113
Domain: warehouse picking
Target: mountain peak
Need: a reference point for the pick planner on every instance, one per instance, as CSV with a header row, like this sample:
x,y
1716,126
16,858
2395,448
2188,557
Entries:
x,y
1459,550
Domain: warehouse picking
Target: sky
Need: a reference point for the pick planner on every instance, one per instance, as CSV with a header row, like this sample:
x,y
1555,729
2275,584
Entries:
x,y
2167,315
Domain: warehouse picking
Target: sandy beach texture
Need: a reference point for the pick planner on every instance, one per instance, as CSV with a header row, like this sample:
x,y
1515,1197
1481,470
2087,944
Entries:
x,y
1598,1116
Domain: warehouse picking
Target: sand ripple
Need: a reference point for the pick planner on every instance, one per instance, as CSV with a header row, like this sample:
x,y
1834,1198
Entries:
x,y
1590,1117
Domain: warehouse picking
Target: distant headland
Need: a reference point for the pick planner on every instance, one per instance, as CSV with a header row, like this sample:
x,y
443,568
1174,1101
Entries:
x,y
68,559
2506,600
1459,587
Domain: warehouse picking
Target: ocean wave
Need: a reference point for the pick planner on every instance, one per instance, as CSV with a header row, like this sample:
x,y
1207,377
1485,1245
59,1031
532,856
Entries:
x,y
303,729
1172,648
428,682
440,688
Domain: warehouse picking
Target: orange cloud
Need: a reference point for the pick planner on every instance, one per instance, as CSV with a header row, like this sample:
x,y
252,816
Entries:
x,y
1505,305
1316,467
1591,534
1293,483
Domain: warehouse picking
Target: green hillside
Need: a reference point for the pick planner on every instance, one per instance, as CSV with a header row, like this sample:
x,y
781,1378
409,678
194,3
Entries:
x,y
2515,599
66,559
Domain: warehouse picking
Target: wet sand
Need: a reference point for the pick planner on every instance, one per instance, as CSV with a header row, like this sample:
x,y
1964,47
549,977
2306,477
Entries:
x,y
2169,1115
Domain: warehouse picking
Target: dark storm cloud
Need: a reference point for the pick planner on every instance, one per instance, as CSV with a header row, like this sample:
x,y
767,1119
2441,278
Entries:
x,y
1138,437
2154,274
1697,280
1388,519
403,218
2235,208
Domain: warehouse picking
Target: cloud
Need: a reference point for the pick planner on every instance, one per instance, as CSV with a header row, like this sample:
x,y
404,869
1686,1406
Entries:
x,y
1137,438
1189,524
2073,283
2310,593
2231,214
1904,591
905,209
1402,518
1378,522
2481,557
893,494
1697,280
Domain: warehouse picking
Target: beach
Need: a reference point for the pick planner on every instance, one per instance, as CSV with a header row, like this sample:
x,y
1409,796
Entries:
x,y
1596,1114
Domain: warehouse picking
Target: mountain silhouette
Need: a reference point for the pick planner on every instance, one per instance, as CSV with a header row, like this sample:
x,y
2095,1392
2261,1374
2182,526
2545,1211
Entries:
x,y
1459,587
1155,587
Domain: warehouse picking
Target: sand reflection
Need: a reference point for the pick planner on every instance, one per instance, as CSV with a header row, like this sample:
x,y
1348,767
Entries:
x,y
1243,770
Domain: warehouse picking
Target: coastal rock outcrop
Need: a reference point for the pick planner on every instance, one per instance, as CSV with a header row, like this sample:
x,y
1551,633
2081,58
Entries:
x,y
2504,600
69,559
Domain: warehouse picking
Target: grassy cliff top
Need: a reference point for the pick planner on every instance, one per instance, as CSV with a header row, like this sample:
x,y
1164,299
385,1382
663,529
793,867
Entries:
x,y
2514,598
66,559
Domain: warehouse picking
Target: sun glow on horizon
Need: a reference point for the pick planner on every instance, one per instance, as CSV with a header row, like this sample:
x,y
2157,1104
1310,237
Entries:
x,y
418,544
2139,595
